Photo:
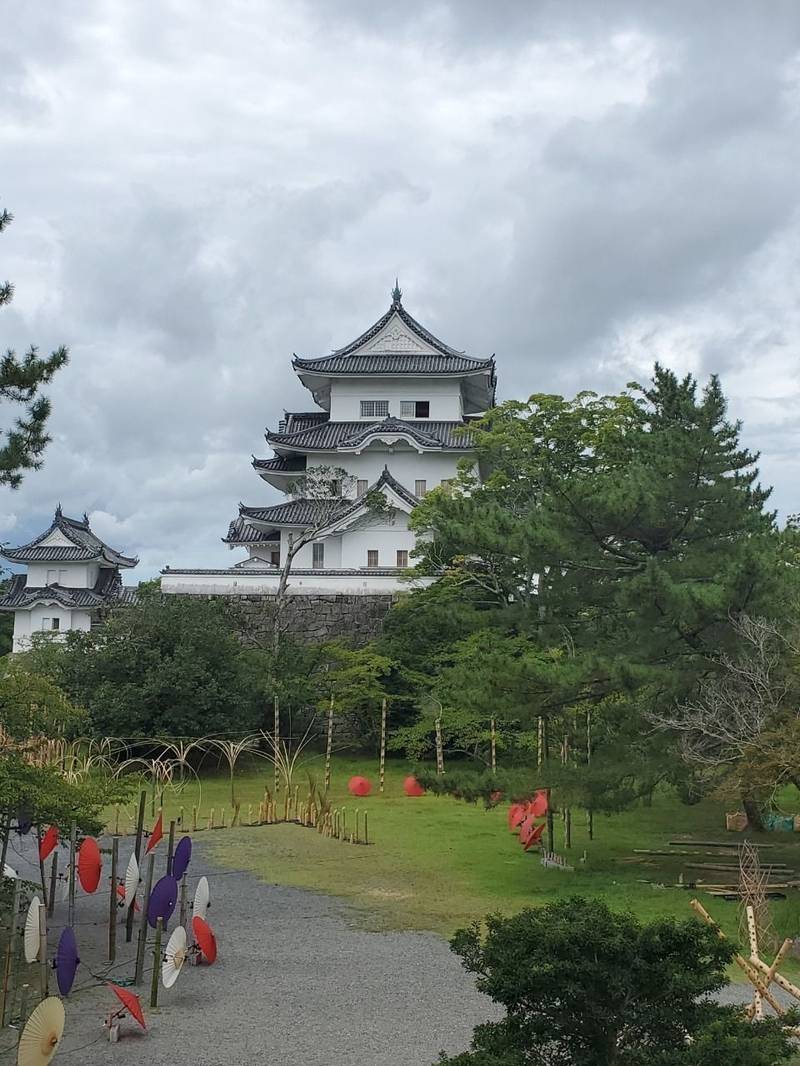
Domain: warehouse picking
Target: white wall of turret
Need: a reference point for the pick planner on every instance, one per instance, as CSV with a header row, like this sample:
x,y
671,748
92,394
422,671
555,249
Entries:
x,y
405,465
442,394
70,575
40,619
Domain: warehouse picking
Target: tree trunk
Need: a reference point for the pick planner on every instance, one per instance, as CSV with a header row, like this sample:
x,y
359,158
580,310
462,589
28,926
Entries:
x,y
753,812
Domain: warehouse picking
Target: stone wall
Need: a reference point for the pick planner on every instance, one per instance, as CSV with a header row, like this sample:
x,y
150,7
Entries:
x,y
317,618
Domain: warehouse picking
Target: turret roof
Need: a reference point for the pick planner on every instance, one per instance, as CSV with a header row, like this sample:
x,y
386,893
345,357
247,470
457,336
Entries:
x,y
328,436
84,546
107,590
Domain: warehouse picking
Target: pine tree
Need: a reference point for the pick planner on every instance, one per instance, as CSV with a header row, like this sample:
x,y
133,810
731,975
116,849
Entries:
x,y
23,442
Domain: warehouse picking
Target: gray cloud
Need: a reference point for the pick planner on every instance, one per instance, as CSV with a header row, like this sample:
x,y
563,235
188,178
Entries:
x,y
201,190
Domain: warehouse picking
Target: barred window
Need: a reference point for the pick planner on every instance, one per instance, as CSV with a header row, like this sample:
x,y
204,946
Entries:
x,y
372,558
374,408
318,555
402,558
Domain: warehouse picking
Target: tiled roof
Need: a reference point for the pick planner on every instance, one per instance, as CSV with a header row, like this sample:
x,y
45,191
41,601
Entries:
x,y
107,590
294,464
239,532
327,436
85,545
294,421
293,512
349,360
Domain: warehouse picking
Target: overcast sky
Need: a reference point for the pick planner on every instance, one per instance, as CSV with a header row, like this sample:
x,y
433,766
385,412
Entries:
x,y
201,188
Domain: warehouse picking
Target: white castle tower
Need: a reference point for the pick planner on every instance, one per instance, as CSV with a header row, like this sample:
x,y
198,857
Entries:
x,y
394,405
71,575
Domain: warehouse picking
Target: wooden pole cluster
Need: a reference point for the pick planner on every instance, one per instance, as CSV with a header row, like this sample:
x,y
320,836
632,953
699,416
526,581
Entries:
x,y
334,825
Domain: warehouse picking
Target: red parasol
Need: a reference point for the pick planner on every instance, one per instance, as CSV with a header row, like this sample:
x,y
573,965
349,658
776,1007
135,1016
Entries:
x,y
89,865
535,837
516,815
130,1001
359,786
121,894
156,835
48,842
538,805
206,941
412,787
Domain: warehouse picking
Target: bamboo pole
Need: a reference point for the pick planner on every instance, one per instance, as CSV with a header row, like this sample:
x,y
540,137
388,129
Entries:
x,y
183,901
140,946
366,831
137,851
156,965
439,747
329,746
6,983
758,1006
277,736
6,835
73,838
194,819
748,968
383,746
23,1010
112,904
494,746
590,812
44,968
171,846
116,821
51,902
42,874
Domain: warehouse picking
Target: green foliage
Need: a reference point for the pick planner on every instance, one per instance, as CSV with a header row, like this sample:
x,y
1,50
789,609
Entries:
x,y
33,705
355,679
582,984
597,568
24,440
6,624
168,666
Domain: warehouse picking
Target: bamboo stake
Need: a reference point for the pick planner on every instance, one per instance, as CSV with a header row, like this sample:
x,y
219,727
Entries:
x,y
439,747
539,742
116,821
211,819
137,851
6,982
181,822
171,846
42,874
494,747
73,838
249,813
112,903
6,835
383,746
277,736
156,965
194,819
366,832
329,746
44,969
51,902
140,946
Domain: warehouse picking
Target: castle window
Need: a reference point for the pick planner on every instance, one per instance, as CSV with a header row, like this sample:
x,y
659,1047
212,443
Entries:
x,y
275,558
52,577
361,487
420,488
374,408
372,558
402,558
318,555
415,409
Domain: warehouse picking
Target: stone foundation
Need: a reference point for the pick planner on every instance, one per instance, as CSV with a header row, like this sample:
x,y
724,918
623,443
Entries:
x,y
317,618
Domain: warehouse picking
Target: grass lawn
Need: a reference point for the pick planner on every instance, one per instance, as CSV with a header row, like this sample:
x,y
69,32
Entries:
x,y
437,864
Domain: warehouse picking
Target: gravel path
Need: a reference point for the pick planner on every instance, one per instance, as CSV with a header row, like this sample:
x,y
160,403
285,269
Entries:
x,y
297,983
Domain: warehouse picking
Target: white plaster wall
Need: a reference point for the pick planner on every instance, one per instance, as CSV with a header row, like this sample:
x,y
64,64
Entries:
x,y
233,583
22,630
443,394
77,575
405,465
26,623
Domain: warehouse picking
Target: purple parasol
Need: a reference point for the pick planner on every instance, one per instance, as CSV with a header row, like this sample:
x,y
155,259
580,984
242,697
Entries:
x,y
162,900
180,859
66,960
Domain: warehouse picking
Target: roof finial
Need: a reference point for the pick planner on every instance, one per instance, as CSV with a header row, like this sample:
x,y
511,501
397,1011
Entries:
x,y
397,294
86,518
58,511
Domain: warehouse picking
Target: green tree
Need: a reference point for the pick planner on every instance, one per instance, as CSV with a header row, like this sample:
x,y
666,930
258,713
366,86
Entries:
x,y
585,986
166,666
24,440
607,549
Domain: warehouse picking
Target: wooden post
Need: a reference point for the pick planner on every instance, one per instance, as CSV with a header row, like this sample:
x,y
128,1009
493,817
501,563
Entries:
x,y
366,831
249,813
6,835
6,983
439,747
42,874
112,906
183,900
277,736
383,746
181,821
73,840
171,846
44,968
540,742
551,843
116,821
23,1010
137,851
51,902
194,819
140,945
211,819
590,812
329,746
494,747
156,965
567,811
758,1006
